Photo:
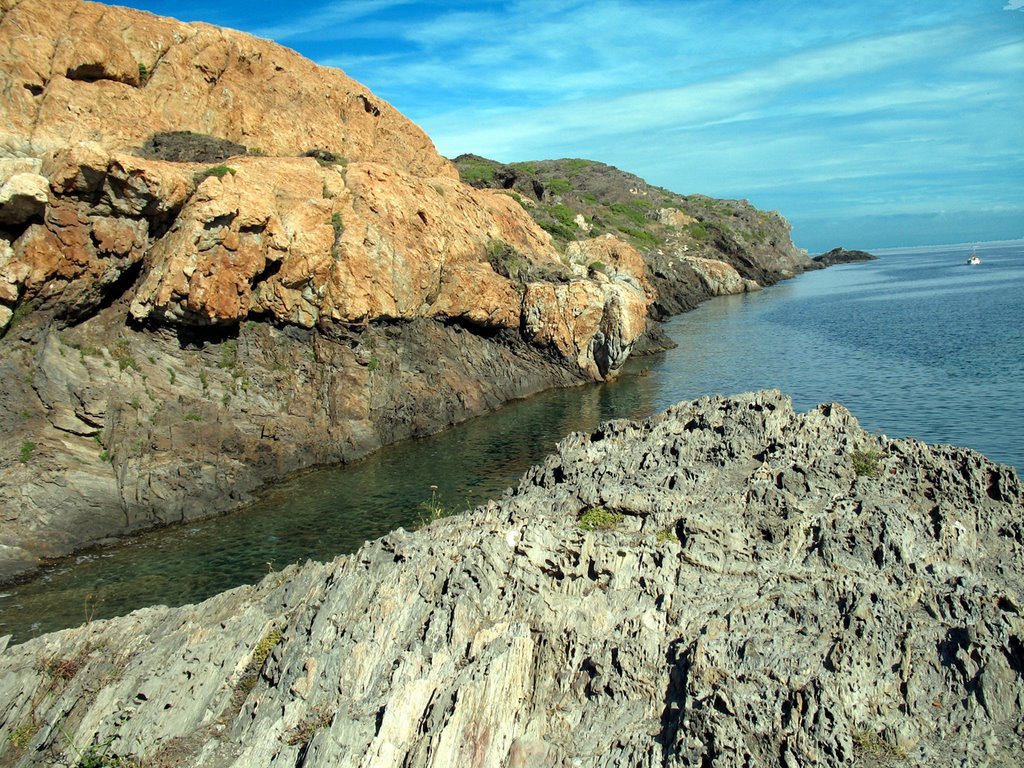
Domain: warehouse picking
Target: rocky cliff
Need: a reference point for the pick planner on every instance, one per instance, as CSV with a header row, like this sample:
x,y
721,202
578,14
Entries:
x,y
694,246
728,583
221,264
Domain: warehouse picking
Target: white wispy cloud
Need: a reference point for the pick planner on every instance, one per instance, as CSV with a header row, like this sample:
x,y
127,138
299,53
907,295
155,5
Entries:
x,y
333,20
744,96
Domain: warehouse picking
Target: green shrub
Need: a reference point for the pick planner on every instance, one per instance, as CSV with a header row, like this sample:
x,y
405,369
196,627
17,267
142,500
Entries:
x,y
558,230
219,171
558,187
507,261
27,449
337,224
477,171
563,214
21,736
574,166
435,508
697,230
260,654
228,355
599,519
865,462
635,210
667,534
639,235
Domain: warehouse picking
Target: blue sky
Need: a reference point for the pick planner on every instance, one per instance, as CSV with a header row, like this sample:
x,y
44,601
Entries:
x,y
867,124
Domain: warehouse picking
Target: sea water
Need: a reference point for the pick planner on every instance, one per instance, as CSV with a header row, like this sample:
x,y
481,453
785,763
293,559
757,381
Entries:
x,y
917,343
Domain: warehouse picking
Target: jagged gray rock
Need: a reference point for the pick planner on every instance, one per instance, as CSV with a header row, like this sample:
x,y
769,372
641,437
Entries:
x,y
775,588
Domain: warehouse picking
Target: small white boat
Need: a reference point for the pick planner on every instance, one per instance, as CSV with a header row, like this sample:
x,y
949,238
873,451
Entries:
x,y
974,259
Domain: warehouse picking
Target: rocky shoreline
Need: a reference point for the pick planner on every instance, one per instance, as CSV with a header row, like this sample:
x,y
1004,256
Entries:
x,y
198,300
727,583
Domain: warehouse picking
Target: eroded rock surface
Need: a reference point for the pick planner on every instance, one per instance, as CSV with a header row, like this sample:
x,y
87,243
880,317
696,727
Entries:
x,y
772,588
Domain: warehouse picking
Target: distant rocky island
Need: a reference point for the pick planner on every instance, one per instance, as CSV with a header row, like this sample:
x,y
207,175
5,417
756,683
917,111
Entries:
x,y
843,256
200,296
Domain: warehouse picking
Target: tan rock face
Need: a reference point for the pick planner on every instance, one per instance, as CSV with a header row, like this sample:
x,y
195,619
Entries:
x,y
388,233
721,279
74,71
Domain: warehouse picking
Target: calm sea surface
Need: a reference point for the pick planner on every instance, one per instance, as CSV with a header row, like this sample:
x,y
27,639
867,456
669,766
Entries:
x,y
916,343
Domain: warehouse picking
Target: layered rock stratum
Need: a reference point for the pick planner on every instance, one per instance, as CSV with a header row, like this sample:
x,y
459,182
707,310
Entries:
x,y
729,583
221,264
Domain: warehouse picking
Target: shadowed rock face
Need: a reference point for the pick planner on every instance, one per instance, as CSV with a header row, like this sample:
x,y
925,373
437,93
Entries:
x,y
771,588
843,256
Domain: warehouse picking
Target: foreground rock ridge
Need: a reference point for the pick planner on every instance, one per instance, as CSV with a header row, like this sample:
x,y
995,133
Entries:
x,y
221,264
729,583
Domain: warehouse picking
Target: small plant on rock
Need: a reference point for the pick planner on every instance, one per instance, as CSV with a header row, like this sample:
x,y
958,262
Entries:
x,y
123,355
260,654
218,171
22,736
64,669
338,225
435,508
865,462
228,355
507,261
27,449
599,519
98,755
667,534
307,728
871,744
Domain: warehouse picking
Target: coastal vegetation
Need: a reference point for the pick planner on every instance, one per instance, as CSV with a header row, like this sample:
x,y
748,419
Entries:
x,y
865,462
599,519
574,199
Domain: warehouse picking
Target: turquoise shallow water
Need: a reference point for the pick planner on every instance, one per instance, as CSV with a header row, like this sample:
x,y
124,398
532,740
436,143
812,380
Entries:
x,y
916,343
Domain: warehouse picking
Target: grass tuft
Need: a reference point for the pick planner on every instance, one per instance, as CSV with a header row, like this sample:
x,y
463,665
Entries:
x,y
865,462
599,519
